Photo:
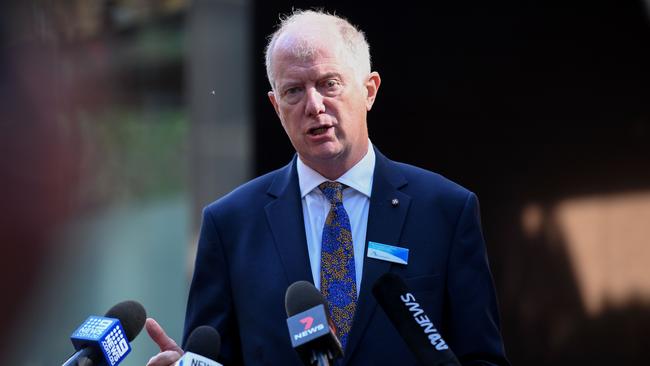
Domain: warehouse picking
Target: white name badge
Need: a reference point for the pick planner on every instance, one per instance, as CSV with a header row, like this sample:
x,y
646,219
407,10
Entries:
x,y
388,253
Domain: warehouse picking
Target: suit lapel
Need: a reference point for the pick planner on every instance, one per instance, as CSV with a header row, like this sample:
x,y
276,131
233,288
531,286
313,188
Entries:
x,y
285,218
385,223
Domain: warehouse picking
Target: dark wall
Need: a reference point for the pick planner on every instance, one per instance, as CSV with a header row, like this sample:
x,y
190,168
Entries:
x,y
519,101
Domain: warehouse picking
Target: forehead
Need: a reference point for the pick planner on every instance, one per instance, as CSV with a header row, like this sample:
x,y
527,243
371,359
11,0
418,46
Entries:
x,y
308,58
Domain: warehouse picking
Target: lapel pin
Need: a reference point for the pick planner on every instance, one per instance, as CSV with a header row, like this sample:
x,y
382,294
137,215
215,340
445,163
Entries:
x,y
394,202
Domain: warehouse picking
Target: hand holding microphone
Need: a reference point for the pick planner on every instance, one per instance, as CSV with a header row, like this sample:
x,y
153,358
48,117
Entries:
x,y
202,348
170,352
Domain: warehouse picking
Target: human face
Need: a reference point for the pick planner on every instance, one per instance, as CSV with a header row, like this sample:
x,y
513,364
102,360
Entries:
x,y
322,105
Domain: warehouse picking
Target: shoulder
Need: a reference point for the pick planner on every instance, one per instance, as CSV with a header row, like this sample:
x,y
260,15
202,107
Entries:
x,y
419,182
427,182
429,190
432,192
416,179
247,196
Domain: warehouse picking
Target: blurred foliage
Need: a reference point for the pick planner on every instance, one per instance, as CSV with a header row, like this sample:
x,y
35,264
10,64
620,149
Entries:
x,y
155,44
129,153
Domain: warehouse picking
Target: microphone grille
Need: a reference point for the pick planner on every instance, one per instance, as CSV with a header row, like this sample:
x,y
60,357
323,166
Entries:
x,y
131,315
302,295
205,341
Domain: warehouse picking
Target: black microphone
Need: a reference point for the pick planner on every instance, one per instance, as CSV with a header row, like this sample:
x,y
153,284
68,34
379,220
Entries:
x,y
412,323
202,347
105,340
312,336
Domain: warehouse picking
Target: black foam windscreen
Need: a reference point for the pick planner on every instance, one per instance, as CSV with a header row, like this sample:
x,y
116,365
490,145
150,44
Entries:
x,y
410,320
205,341
301,296
131,315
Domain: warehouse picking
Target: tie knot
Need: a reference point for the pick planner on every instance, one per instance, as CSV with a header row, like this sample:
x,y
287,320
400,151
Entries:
x,y
333,191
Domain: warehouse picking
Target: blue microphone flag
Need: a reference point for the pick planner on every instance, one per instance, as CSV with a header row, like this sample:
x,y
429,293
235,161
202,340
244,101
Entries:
x,y
105,334
308,325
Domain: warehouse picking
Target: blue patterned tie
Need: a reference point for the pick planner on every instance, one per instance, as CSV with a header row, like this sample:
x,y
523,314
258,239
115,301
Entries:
x,y
337,275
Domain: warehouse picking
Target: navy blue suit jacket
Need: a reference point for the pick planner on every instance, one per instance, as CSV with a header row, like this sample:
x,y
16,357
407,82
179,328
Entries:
x,y
252,246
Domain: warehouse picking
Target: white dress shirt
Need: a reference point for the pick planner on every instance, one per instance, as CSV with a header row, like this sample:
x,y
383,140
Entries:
x,y
356,200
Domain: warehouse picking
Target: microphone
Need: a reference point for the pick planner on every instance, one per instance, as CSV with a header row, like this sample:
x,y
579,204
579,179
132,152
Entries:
x,y
312,336
412,323
105,340
202,349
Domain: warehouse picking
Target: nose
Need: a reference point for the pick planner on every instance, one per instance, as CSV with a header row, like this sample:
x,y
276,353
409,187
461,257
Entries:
x,y
314,105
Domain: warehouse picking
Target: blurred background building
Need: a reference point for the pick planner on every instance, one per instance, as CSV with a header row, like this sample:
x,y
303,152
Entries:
x,y
120,120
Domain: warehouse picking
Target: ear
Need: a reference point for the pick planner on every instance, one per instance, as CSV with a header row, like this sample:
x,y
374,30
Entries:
x,y
271,95
372,86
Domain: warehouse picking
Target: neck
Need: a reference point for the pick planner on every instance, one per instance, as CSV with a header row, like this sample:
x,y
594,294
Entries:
x,y
332,169
332,173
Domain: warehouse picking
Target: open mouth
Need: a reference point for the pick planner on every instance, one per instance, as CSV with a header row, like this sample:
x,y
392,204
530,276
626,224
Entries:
x,y
319,130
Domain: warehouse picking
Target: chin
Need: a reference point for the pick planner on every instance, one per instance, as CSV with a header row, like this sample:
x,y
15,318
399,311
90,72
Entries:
x,y
324,153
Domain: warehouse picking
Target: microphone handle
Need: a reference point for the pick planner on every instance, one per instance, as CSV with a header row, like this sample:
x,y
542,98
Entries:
x,y
80,358
320,359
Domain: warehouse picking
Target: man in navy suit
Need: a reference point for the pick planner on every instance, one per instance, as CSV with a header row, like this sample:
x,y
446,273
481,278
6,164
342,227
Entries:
x,y
268,233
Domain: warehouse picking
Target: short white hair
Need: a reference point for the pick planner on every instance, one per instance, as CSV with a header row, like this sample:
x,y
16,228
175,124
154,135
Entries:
x,y
354,40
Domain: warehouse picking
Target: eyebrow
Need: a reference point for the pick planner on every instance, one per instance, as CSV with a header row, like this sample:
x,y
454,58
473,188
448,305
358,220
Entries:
x,y
287,83
330,75
294,82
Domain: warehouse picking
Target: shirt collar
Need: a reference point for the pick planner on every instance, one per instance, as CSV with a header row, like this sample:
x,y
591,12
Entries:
x,y
359,177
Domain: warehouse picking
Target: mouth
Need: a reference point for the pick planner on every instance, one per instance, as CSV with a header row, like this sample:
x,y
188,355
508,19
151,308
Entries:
x,y
318,130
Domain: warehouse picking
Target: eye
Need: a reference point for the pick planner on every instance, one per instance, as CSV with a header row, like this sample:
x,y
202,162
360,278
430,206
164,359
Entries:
x,y
331,83
331,87
292,94
292,90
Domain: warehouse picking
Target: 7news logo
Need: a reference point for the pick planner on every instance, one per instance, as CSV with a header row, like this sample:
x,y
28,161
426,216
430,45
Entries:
x,y
308,325
309,330
307,321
